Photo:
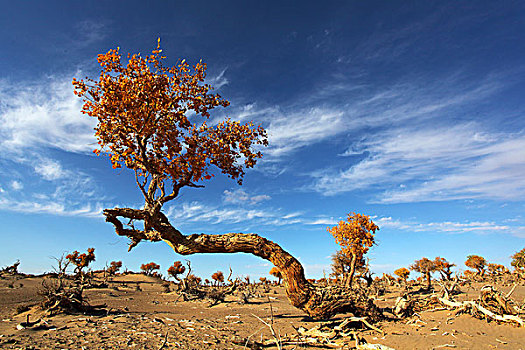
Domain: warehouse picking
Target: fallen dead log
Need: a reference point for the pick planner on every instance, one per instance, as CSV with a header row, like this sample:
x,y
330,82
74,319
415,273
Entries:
x,y
464,305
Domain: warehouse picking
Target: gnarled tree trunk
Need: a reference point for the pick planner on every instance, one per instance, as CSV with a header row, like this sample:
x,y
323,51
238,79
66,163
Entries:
x,y
317,302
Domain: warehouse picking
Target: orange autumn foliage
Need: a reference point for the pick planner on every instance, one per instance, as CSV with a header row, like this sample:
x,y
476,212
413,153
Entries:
x,y
218,277
176,269
443,266
355,236
114,267
153,120
425,267
274,271
148,269
403,273
81,260
476,262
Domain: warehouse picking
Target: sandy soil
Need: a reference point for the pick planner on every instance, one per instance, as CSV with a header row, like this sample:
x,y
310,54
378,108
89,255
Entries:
x,y
150,318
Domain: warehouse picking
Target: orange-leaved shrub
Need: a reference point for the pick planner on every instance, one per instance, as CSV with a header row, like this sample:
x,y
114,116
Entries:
x,y
176,269
425,267
276,273
81,260
477,263
218,277
149,268
443,267
402,273
355,236
518,260
114,267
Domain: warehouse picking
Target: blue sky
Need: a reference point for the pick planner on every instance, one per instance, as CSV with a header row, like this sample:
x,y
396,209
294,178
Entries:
x,y
410,112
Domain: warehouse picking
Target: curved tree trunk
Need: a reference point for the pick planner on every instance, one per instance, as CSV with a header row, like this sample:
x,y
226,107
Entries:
x,y
316,302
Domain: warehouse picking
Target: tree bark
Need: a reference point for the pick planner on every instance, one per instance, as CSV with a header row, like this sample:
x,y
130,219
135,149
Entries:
x,y
317,302
351,274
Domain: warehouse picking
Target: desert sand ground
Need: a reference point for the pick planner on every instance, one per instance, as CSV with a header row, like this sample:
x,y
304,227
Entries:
x,y
140,314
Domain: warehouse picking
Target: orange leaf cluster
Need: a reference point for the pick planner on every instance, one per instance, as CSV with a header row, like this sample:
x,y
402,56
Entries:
x,y
218,276
114,267
176,269
442,264
81,260
355,235
424,266
518,259
153,120
497,269
275,272
476,262
403,273
149,268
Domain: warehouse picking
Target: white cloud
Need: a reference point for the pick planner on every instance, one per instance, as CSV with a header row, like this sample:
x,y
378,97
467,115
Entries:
x,y
43,114
348,107
90,32
50,207
36,117
219,80
478,227
323,221
50,169
196,212
240,196
16,185
442,163
289,132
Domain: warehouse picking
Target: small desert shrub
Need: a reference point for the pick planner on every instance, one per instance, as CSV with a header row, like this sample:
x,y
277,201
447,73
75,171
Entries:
x,y
60,296
193,281
81,261
176,269
402,273
425,267
149,269
518,260
276,273
216,296
218,277
477,263
114,267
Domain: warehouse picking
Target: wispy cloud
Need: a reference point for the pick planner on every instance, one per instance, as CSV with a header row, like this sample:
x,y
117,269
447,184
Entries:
x,y
36,118
43,114
49,169
450,227
90,32
240,196
289,132
43,206
350,107
197,212
16,185
458,162
219,80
